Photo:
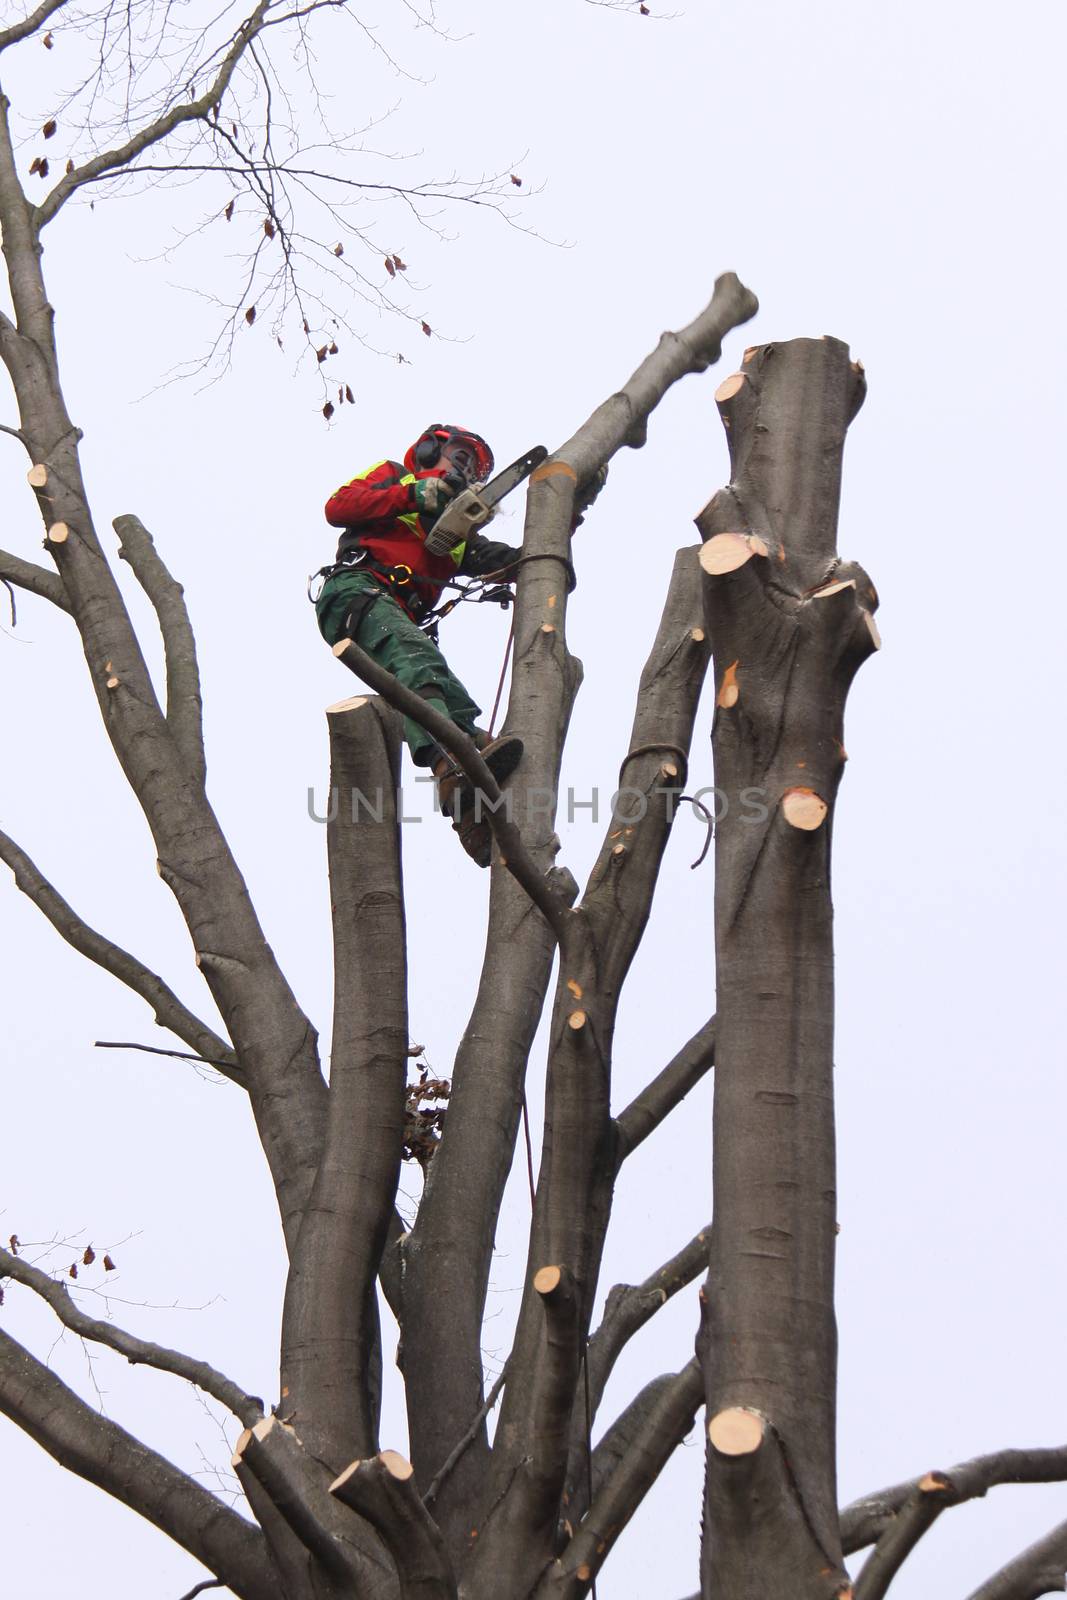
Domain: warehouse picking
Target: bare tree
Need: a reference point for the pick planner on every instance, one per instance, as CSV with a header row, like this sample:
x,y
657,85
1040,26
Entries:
x,y
536,1509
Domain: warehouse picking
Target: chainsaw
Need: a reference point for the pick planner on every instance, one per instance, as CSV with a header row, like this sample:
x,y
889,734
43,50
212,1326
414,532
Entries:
x,y
472,508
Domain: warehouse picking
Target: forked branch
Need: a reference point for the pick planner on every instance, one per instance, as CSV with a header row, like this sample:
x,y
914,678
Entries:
x,y
104,1454
184,705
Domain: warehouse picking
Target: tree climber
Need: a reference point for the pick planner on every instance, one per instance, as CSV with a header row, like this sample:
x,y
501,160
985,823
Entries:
x,y
385,581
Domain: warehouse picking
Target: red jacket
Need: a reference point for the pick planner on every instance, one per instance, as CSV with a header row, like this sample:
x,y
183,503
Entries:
x,y
377,513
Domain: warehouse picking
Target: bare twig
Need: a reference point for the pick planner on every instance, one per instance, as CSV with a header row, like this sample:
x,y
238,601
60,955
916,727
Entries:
x,y
471,1434
144,138
198,1588
29,25
248,1409
169,1010
154,1050
36,580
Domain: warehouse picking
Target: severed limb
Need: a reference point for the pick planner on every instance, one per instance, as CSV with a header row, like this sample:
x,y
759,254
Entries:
x,y
169,1011
34,579
513,852
289,1491
628,1308
864,1521
247,1408
668,1089
184,704
1036,1571
931,1495
104,1454
642,1442
330,1332
382,1490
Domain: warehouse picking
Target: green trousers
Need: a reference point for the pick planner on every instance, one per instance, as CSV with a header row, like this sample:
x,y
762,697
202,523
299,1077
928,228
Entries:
x,y
387,633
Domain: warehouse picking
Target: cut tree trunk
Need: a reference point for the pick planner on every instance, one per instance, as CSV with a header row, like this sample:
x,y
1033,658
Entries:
x,y
789,626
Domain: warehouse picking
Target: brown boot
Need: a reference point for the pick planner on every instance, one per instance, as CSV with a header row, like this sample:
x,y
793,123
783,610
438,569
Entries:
x,y
455,796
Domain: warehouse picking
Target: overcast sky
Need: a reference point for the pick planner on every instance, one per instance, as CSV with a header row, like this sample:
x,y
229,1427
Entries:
x,y
891,176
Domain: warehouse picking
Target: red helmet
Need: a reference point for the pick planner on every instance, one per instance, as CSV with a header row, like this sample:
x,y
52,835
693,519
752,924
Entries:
x,y
442,440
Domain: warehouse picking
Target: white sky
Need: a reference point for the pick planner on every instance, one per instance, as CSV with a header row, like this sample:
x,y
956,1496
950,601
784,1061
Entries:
x,y
890,176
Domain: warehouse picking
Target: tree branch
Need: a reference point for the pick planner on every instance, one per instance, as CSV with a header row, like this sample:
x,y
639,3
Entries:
x,y
330,1320
918,1513
36,580
190,111
513,852
383,1491
184,705
668,1089
865,1520
169,1011
138,1352
106,1455
628,1308
1038,1570
29,25
641,1443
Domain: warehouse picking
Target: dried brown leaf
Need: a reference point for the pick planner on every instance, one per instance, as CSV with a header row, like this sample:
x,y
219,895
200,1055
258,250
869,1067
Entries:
x,y
228,213
390,269
327,410
349,396
109,1265
516,181
89,1257
321,353
338,249
13,1244
49,40
250,315
427,330
69,168
333,348
49,128
73,1269
399,265
268,228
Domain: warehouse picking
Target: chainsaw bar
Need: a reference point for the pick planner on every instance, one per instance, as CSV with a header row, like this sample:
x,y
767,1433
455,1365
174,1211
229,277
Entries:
x,y
511,477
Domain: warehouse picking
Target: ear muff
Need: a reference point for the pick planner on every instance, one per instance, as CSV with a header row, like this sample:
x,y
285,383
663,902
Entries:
x,y
427,452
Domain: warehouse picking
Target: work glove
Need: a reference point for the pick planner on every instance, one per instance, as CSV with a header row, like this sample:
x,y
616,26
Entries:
x,y
489,555
430,496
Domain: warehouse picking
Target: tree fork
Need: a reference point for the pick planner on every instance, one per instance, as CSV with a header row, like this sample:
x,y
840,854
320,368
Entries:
x,y
789,626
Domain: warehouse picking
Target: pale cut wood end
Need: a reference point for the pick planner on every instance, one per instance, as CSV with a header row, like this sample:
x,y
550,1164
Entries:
x,y
728,551
729,387
576,1020
37,476
749,353
240,1447
872,626
833,588
341,646
353,703
547,1279
396,1465
58,532
804,809
736,1432
697,635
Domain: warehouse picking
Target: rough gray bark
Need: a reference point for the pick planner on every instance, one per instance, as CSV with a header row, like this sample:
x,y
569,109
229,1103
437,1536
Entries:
x,y
789,627
330,1330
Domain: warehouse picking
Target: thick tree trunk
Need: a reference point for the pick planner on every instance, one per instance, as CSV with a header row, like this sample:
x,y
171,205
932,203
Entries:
x,y
789,626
